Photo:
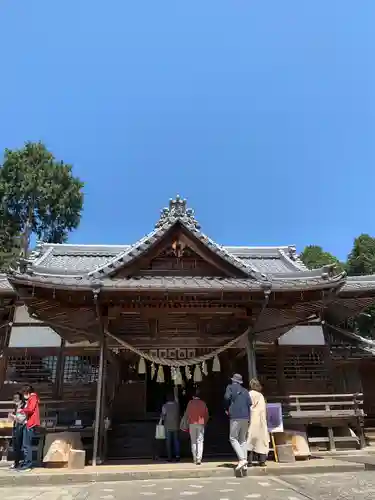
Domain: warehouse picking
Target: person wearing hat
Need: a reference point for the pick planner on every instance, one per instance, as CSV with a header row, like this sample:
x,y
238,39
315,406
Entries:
x,y
237,405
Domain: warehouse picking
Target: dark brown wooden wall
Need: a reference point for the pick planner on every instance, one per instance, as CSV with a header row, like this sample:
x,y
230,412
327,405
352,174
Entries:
x,y
55,373
66,373
287,370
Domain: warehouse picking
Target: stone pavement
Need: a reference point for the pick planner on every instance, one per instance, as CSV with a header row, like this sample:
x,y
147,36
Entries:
x,y
359,486
160,471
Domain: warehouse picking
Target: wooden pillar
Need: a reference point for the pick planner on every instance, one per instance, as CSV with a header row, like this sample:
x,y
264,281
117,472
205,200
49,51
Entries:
x,y
59,383
360,422
98,407
4,344
328,362
251,359
250,339
103,405
97,444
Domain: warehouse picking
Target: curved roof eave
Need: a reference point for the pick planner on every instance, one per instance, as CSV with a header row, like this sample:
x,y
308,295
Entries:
x,y
185,283
359,284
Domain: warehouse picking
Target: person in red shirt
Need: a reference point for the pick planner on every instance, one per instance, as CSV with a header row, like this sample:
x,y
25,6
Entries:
x,y
31,410
197,418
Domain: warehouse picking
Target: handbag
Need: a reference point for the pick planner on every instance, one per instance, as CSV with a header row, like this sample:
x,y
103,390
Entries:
x,y
184,426
160,431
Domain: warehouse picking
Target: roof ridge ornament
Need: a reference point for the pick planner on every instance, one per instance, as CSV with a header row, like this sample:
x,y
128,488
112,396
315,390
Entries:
x,y
292,252
177,210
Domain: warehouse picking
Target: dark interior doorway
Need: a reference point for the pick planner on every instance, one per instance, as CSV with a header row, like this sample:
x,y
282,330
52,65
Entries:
x,y
157,393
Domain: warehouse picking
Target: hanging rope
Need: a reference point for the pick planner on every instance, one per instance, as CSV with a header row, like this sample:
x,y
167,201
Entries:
x,y
177,362
353,335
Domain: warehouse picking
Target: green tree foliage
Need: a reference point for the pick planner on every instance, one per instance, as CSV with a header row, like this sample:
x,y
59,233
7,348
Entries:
x,y
361,259
315,257
10,244
38,195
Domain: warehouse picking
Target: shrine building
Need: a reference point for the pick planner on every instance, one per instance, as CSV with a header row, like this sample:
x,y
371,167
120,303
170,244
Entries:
x,y
112,328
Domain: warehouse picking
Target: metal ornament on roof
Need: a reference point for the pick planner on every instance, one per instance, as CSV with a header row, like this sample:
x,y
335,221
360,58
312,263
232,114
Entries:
x,y
177,210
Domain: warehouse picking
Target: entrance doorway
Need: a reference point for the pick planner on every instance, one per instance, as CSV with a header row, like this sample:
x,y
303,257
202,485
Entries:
x,y
157,393
139,400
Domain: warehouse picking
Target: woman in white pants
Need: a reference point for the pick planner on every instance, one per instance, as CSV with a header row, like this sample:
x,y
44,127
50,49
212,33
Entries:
x,y
197,417
258,437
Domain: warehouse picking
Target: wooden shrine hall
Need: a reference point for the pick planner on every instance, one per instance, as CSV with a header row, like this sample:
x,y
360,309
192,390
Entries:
x,y
176,309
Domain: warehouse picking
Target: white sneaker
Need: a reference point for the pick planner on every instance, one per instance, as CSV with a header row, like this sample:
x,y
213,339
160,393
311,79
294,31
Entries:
x,y
241,464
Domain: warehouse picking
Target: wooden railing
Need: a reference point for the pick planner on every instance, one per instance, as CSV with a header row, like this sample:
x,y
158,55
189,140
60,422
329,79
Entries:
x,y
322,406
328,411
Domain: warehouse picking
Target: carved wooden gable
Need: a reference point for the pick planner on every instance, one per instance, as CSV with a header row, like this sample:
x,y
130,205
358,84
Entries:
x,y
178,255
182,261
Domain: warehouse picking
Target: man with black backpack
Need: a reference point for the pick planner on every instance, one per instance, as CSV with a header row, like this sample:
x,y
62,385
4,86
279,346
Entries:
x,y
237,405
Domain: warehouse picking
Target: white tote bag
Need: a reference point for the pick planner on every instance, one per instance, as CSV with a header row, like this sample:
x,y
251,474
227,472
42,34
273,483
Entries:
x,y
160,431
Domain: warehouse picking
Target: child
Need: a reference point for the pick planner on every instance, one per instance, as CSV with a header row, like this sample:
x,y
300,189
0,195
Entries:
x,y
19,421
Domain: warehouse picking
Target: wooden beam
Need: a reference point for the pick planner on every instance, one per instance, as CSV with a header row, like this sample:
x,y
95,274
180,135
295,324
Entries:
x,y
163,308
173,342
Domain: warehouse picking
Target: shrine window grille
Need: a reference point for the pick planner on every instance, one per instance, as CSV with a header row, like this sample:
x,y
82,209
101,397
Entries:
x,y
31,370
266,367
81,369
305,366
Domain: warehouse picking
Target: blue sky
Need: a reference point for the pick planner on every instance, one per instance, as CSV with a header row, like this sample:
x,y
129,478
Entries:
x,y
261,113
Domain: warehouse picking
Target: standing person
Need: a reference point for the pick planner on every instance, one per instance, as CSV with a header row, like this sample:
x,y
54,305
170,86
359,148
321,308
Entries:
x,y
197,418
31,411
170,416
19,420
237,404
258,438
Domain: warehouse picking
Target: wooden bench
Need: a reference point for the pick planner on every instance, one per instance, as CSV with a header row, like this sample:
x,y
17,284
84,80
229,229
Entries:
x,y
329,411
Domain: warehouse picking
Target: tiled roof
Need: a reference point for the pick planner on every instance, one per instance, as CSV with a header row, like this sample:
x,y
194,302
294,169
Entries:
x,y
179,283
278,268
80,259
358,284
141,246
99,260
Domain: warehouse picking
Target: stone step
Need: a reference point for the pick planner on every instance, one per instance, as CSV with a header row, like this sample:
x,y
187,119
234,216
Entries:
x,y
137,440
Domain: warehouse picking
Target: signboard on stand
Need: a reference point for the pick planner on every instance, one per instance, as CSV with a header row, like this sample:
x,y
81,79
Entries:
x,y
275,423
275,418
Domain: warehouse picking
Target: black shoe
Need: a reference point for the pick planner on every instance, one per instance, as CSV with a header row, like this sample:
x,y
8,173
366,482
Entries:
x,y
24,468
